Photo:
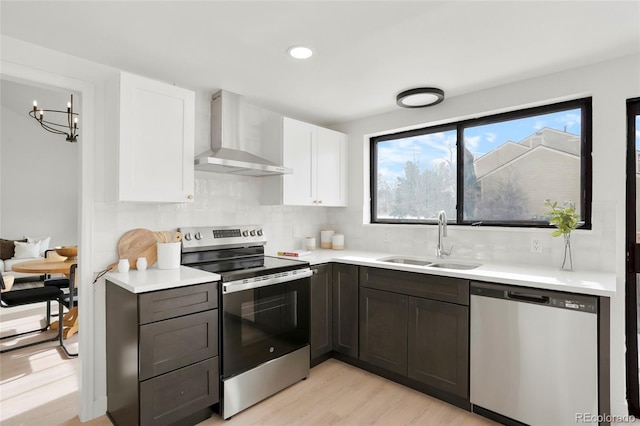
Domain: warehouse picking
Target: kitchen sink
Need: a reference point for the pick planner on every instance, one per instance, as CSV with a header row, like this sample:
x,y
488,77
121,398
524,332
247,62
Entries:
x,y
406,261
453,265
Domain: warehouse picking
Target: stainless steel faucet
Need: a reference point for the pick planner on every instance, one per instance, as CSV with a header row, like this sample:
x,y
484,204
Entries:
x,y
442,232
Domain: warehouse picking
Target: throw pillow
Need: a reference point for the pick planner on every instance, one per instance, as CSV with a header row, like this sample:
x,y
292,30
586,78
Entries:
x,y
26,250
44,243
7,248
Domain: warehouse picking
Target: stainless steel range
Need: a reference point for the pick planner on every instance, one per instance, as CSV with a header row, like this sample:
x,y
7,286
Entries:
x,y
264,314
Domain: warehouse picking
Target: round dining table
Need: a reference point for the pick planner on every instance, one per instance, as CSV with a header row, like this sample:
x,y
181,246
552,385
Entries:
x,y
55,265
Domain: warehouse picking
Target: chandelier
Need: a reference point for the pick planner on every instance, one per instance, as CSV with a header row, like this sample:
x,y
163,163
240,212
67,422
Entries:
x,y
70,129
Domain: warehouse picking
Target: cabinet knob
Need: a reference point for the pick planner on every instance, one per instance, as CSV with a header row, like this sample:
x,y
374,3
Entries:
x,y
190,197
319,201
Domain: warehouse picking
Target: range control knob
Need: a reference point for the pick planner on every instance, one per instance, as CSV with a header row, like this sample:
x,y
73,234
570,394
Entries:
x,y
245,233
198,236
253,233
259,232
187,236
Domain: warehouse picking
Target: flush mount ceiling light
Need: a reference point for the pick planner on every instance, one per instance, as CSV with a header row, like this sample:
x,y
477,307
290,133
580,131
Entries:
x,y
420,97
300,52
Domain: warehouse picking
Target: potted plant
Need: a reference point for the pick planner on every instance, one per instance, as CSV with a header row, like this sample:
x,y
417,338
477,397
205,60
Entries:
x,y
566,220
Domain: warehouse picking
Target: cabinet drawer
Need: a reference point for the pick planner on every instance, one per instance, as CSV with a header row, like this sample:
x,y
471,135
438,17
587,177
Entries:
x,y
173,396
160,305
445,289
177,342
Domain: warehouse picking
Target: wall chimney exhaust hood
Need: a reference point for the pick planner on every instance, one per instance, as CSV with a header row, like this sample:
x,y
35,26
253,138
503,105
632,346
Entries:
x,y
228,131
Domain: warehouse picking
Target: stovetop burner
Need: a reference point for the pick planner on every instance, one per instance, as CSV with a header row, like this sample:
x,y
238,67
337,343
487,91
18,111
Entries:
x,y
233,252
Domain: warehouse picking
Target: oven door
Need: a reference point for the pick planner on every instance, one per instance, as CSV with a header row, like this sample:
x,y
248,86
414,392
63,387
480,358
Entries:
x,y
260,324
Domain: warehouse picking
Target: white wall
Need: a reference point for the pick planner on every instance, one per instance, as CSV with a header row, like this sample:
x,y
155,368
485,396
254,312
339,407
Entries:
x,y
39,185
602,248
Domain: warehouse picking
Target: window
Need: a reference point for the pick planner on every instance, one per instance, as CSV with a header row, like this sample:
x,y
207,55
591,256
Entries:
x,y
496,170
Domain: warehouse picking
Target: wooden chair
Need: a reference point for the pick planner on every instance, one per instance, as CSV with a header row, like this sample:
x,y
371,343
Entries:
x,y
10,299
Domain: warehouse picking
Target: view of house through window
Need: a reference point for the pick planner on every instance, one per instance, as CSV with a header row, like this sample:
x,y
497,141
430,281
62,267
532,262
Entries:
x,y
511,163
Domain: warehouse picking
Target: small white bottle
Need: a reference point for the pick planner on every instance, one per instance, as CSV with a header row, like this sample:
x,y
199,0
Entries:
x,y
123,265
141,263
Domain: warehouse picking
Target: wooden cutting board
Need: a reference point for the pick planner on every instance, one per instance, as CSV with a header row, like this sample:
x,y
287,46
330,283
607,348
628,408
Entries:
x,y
137,243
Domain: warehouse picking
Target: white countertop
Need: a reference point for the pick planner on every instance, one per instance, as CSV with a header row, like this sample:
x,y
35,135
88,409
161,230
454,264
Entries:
x,y
153,279
551,278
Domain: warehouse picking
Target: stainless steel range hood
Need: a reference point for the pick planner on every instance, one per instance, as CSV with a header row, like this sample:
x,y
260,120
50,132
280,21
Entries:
x,y
228,153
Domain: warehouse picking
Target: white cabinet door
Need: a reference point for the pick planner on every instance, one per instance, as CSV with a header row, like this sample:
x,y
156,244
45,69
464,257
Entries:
x,y
318,159
299,139
331,151
156,148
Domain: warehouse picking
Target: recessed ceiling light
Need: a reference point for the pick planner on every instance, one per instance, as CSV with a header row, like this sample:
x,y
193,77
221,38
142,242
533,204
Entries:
x,y
420,97
300,52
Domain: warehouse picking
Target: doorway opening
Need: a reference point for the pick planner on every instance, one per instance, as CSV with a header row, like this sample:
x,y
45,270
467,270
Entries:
x,y
40,193
632,302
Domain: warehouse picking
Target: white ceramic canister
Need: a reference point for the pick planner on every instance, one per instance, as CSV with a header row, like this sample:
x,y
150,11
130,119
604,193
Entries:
x,y
337,242
123,265
169,255
325,238
310,243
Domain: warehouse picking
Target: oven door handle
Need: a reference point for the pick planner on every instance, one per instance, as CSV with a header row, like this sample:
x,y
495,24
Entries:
x,y
240,285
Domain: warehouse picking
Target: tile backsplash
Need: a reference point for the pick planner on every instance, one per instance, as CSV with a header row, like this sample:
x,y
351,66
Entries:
x,y
222,199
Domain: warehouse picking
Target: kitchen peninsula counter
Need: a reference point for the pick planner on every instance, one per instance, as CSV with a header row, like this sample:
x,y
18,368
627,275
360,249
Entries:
x,y
153,279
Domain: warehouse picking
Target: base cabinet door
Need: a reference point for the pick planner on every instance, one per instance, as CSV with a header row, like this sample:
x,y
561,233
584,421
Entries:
x,y
383,329
438,345
321,312
345,309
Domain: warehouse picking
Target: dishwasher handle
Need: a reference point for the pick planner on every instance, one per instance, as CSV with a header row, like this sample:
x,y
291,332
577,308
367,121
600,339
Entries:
x,y
528,297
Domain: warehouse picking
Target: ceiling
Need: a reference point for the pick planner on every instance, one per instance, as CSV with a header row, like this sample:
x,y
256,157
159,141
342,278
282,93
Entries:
x,y
366,52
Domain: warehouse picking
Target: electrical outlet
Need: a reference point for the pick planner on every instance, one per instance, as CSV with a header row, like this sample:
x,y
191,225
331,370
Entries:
x,y
388,236
536,245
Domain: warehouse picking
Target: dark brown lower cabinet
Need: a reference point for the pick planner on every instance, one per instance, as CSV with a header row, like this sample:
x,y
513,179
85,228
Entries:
x,y
416,325
162,355
321,312
345,309
383,329
438,345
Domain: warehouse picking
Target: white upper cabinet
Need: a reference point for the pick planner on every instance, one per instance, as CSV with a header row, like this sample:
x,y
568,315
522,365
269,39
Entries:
x,y
318,159
156,150
331,155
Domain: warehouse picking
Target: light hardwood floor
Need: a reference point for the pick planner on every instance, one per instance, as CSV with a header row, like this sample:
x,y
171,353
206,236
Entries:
x,y
39,386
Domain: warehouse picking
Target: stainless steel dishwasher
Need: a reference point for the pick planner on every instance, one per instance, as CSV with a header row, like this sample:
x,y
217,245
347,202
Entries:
x,y
533,354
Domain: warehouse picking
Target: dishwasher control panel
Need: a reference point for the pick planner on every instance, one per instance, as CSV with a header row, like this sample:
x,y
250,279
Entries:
x,y
576,305
555,299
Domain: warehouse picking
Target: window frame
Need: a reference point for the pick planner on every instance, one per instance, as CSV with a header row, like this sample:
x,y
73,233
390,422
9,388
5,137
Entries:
x,y
586,178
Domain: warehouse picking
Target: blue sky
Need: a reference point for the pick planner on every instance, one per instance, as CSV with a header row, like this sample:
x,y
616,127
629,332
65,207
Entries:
x,y
435,148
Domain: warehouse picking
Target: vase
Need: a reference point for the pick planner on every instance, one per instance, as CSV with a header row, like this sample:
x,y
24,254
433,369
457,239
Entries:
x,y
567,261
